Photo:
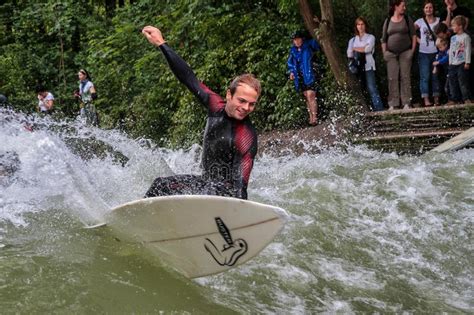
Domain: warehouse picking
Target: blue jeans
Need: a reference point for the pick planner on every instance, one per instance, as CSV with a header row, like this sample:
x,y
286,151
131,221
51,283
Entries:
x,y
459,83
425,62
377,104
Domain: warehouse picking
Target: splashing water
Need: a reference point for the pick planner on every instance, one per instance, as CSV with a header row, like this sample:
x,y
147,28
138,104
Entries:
x,y
369,232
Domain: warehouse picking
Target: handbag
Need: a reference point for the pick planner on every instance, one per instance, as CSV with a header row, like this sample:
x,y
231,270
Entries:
x,y
353,66
356,64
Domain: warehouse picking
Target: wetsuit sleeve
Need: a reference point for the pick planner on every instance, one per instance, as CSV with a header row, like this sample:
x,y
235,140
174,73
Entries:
x,y
185,74
246,149
314,45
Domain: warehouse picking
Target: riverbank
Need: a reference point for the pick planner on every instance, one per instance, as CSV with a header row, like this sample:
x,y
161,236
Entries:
x,y
312,139
412,131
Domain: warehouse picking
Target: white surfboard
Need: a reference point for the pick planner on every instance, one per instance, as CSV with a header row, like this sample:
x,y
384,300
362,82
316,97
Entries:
x,y
198,235
458,142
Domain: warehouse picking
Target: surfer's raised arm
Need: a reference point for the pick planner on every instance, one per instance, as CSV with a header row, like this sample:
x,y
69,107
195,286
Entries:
x,y
180,68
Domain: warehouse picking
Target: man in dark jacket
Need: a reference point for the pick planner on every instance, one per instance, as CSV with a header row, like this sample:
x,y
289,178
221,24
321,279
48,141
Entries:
x,y
300,67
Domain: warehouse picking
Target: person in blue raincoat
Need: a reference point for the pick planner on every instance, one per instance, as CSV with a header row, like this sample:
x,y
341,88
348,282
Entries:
x,y
300,68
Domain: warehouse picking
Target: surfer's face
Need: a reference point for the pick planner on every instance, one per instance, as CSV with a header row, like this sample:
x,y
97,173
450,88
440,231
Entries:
x,y
242,102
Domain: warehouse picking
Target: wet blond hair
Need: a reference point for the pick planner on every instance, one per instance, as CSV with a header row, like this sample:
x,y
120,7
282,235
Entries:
x,y
246,78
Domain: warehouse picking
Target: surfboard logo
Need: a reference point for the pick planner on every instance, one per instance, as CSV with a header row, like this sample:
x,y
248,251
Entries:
x,y
231,250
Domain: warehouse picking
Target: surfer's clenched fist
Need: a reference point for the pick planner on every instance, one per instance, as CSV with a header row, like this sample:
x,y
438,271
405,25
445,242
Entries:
x,y
153,35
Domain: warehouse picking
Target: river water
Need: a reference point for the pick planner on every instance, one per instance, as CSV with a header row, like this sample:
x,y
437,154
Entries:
x,y
367,232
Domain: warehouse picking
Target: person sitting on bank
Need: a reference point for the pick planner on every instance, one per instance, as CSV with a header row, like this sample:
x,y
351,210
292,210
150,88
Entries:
x,y
87,94
45,100
230,139
300,67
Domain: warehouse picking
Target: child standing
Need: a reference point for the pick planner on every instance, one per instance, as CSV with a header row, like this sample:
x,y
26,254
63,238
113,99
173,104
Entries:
x,y
440,65
459,62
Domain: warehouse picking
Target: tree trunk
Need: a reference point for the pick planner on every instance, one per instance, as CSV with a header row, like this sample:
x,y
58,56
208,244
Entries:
x,y
323,30
110,8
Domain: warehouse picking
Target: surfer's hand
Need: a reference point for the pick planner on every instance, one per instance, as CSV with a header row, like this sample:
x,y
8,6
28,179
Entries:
x,y
153,35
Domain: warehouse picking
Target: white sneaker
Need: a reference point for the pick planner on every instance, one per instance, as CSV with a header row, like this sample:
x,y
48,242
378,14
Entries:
x,y
391,108
406,106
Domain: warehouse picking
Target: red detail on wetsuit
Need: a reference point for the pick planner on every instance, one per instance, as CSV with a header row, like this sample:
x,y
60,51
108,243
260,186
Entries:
x,y
215,102
244,139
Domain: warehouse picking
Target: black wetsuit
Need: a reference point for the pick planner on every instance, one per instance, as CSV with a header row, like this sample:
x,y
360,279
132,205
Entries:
x,y
229,147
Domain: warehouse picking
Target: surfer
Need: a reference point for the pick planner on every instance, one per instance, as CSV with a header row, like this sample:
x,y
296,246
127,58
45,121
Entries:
x,y
230,140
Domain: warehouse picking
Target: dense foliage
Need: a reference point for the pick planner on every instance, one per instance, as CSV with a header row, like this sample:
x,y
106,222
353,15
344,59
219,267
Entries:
x,y
48,42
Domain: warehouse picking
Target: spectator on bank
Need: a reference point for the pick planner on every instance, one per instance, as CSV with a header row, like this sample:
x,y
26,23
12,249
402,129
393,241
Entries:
x,y
398,45
300,68
361,47
453,10
442,31
440,65
427,53
459,62
87,95
45,100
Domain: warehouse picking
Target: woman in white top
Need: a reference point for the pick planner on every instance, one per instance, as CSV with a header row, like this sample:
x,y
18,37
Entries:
x,y
363,44
45,100
427,53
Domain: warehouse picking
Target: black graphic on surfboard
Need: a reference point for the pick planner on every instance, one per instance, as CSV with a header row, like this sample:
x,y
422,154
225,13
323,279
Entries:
x,y
231,250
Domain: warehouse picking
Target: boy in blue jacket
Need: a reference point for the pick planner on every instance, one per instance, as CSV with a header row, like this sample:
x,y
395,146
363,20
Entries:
x,y
301,71
440,64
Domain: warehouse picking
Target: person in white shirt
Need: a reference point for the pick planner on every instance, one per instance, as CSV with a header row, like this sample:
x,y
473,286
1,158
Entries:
x,y
427,53
45,100
459,62
362,46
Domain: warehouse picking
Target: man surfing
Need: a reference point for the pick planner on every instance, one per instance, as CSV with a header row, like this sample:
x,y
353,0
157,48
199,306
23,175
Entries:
x,y
230,140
